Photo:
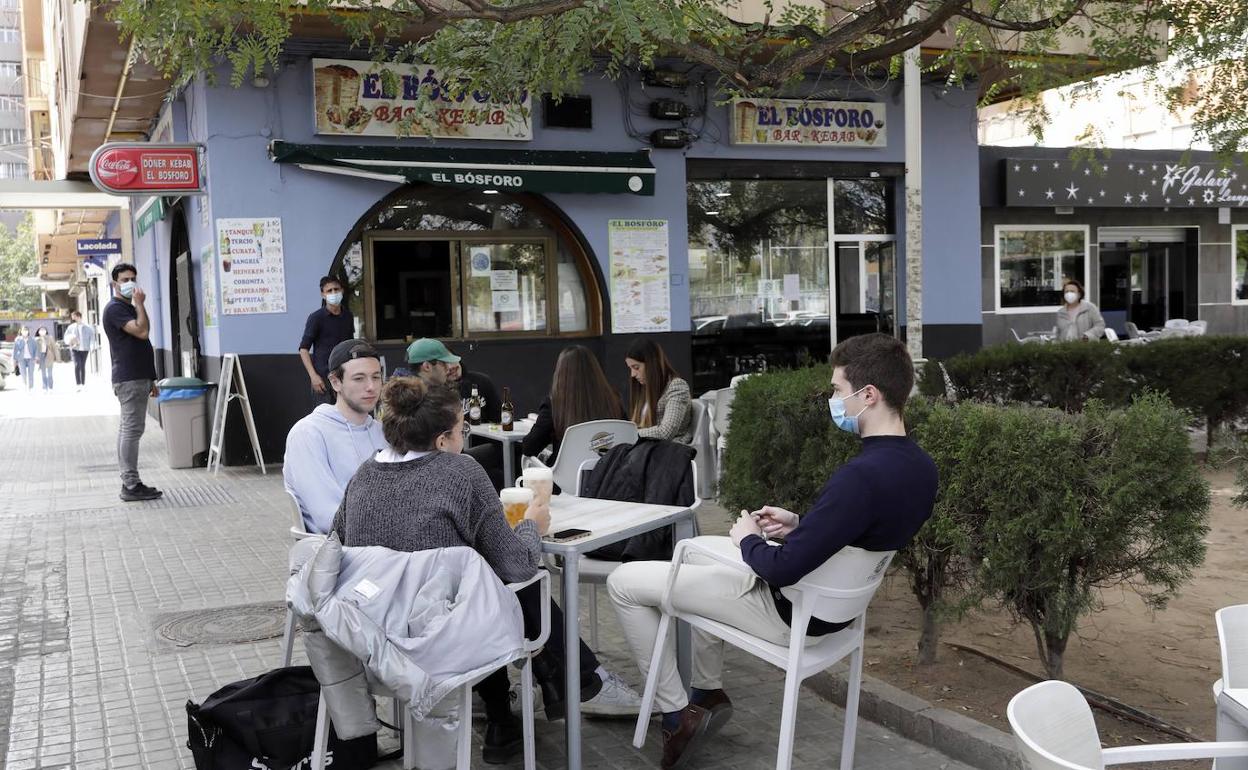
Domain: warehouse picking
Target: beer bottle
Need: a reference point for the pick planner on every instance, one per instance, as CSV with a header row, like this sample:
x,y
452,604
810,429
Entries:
x,y
508,410
475,405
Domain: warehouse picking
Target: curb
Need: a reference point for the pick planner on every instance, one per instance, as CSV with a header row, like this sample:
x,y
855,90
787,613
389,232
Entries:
x,y
954,735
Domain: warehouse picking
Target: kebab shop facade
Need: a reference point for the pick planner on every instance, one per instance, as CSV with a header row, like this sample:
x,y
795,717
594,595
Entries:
x,y
513,227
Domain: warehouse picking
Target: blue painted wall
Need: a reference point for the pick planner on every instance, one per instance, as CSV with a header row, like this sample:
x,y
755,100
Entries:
x,y
318,210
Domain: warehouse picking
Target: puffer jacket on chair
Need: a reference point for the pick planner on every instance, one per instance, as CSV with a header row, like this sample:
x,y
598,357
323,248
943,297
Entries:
x,y
418,624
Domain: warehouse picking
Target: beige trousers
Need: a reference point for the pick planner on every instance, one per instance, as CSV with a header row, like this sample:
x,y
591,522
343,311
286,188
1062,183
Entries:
x,y
705,588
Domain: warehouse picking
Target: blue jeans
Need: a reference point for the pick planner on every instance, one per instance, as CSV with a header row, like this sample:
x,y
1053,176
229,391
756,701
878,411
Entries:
x,y
28,372
45,371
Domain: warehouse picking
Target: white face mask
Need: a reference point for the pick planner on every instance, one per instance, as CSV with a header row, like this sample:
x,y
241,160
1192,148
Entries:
x,y
1071,297
127,289
334,298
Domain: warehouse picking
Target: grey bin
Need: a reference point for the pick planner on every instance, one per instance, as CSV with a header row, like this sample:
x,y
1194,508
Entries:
x,y
184,420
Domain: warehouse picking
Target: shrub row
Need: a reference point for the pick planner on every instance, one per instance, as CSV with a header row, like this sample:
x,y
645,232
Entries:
x,y
1205,376
1038,509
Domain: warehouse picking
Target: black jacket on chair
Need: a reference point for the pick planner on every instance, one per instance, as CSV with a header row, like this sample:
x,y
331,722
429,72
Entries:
x,y
656,472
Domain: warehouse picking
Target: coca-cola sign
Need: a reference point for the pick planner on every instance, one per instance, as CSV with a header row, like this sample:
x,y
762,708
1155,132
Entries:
x,y
133,168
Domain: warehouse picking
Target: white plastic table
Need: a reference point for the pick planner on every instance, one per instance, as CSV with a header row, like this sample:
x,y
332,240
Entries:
x,y
608,521
494,432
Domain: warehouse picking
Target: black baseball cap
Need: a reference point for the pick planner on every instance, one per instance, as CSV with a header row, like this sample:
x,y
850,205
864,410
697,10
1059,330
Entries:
x,y
349,350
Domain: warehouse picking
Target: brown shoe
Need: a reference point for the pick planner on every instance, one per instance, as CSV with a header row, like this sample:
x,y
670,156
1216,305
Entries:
x,y
678,746
716,702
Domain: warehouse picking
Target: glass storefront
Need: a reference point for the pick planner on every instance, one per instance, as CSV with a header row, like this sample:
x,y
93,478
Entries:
x,y
772,285
1033,262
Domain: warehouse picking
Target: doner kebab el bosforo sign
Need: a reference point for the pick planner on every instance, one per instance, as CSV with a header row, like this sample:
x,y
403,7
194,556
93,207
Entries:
x,y
797,122
364,98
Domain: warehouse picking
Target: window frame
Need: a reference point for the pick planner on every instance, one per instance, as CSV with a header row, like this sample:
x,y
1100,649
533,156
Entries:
x,y
997,233
1235,231
459,292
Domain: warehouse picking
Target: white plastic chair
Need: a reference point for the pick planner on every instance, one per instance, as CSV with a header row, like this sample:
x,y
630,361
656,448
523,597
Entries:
x,y
703,444
588,441
1054,730
594,572
464,736
1110,334
1197,328
838,591
1176,323
298,531
1232,709
723,419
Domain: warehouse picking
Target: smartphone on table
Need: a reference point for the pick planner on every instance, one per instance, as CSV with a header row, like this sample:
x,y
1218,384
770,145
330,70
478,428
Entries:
x,y
568,535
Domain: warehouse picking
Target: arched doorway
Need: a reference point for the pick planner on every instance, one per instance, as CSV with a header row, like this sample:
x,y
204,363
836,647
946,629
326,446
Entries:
x,y
183,307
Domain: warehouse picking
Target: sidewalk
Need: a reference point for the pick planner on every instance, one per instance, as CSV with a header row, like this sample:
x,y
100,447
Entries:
x,y
88,681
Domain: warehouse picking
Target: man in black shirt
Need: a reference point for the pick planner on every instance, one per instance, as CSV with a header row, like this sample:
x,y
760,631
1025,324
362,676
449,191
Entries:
x,y
134,374
877,501
326,327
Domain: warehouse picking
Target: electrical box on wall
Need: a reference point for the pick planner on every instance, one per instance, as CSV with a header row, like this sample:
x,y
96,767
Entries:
x,y
671,138
568,112
668,109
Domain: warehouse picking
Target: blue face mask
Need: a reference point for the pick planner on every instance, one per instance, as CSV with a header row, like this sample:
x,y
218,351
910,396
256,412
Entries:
x,y
127,289
846,422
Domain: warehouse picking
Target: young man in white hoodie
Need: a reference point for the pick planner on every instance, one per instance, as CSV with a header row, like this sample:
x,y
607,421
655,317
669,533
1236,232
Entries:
x,y
324,449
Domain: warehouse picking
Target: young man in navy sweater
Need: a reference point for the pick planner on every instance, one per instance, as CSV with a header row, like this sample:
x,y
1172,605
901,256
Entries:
x,y
877,501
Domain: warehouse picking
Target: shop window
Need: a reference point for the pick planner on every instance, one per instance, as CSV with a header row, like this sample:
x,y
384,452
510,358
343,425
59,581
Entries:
x,y
1033,262
862,207
1239,265
433,262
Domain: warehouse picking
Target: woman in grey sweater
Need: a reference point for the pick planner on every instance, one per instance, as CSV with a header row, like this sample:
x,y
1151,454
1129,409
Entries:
x,y
421,493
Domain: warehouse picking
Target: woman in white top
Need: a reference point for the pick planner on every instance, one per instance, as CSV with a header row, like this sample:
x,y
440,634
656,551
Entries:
x,y
1078,319
660,401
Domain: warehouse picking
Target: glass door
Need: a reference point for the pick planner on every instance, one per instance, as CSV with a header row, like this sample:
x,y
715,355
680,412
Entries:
x,y
505,287
863,258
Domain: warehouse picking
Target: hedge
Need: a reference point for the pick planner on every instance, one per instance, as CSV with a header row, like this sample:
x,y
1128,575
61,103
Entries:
x,y
1206,376
1038,508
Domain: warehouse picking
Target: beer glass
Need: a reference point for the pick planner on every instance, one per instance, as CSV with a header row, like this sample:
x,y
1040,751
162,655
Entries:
x,y
515,503
541,481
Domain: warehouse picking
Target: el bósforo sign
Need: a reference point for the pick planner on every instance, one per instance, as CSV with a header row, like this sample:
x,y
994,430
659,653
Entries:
x,y
141,168
808,123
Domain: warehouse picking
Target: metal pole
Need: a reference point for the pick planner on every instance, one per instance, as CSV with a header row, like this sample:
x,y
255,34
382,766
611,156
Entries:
x,y
912,86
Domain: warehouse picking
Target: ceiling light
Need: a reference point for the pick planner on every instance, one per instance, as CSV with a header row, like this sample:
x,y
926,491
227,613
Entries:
x,y
722,194
399,206
490,192
711,213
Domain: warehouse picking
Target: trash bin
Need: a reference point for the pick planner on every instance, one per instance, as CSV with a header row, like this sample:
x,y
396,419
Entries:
x,y
183,404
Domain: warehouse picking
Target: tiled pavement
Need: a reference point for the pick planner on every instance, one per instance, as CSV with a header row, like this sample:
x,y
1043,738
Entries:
x,y
86,682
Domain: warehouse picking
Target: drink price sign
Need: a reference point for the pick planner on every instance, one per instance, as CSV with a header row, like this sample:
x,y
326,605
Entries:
x,y
141,168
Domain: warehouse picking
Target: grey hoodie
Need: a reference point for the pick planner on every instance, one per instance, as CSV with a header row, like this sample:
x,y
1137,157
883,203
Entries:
x,y
323,452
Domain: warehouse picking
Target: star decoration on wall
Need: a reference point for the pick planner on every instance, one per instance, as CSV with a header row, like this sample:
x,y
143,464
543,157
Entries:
x,y
1126,198
1072,191
1048,194
1201,184
1143,197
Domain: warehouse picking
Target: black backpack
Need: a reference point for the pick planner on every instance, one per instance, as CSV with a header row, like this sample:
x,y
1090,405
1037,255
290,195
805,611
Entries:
x,y
268,723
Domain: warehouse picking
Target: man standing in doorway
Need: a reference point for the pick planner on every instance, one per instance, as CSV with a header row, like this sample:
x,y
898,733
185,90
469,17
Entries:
x,y
80,338
326,327
134,374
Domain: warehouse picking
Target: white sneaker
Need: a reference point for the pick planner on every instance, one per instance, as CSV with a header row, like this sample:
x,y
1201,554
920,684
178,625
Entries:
x,y
616,699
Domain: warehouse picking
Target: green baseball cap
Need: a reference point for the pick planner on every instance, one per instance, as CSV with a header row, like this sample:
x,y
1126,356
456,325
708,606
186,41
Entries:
x,y
425,349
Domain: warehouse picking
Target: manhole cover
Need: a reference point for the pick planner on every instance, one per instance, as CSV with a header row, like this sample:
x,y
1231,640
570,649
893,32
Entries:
x,y
225,625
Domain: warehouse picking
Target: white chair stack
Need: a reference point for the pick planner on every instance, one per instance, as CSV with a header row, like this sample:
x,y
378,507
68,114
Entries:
x,y
1054,730
1230,693
838,591
464,736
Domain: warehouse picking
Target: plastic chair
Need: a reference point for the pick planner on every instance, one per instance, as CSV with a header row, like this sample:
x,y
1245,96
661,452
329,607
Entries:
x,y
1232,712
1197,328
1110,334
1176,323
464,736
586,441
703,444
1054,730
594,572
298,531
722,412
837,591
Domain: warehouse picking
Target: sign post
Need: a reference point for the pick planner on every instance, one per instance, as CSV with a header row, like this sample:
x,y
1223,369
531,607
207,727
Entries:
x,y
143,168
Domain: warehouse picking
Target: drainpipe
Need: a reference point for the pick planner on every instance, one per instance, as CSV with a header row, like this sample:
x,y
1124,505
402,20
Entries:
x,y
121,87
912,86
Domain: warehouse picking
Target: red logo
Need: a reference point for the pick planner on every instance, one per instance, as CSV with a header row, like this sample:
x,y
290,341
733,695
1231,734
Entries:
x,y
116,170
134,168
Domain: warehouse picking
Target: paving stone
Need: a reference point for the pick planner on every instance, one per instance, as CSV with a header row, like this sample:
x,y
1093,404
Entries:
x,y
85,683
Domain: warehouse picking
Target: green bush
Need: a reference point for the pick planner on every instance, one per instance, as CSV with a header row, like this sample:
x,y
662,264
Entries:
x,y
1037,508
1206,376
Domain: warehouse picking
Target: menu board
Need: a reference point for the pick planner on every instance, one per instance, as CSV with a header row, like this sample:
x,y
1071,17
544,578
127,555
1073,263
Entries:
x,y
208,269
253,272
641,300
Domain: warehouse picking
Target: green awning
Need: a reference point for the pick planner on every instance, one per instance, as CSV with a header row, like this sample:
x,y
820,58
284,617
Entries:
x,y
479,169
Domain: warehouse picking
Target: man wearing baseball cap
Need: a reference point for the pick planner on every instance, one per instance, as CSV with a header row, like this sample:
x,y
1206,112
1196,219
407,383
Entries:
x,y
324,449
432,362
434,353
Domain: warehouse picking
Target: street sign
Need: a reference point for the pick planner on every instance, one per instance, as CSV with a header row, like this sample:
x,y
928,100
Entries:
x,y
96,251
151,213
142,168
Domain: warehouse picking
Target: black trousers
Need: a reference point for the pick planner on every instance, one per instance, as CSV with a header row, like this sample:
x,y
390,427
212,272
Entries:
x,y
494,688
80,366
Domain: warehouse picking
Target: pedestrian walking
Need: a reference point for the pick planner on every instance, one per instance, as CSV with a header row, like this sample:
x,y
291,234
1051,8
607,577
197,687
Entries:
x,y
24,357
45,356
80,339
326,327
134,374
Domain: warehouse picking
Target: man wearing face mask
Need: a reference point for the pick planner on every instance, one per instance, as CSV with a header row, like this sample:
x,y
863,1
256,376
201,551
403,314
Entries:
x,y
877,501
326,327
134,373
